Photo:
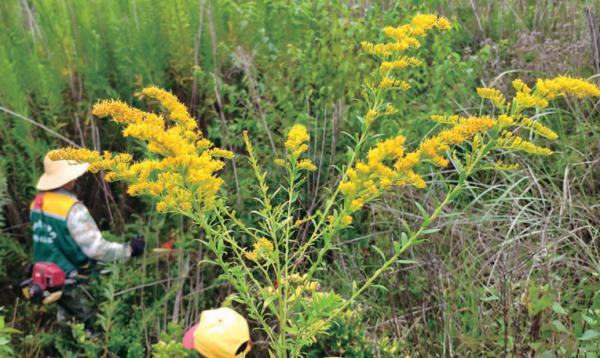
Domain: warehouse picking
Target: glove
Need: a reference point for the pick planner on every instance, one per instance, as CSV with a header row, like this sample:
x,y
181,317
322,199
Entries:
x,y
137,245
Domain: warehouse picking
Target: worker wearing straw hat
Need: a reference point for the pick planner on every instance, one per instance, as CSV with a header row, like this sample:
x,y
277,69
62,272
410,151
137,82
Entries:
x,y
220,333
64,233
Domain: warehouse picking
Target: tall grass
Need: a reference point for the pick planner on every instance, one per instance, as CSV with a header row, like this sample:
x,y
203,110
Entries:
x,y
482,284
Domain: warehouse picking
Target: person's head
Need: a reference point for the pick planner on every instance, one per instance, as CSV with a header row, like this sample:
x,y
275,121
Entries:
x,y
220,333
60,174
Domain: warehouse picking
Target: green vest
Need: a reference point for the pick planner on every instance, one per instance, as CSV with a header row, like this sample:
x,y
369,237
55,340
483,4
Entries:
x,y
52,241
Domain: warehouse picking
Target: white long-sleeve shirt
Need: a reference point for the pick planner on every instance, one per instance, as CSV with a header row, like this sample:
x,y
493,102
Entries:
x,y
86,234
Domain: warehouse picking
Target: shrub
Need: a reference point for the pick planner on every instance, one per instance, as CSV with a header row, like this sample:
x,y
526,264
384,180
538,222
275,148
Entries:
x,y
276,278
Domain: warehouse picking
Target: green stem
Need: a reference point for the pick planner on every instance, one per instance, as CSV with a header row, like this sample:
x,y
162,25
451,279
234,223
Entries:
x,y
414,236
316,233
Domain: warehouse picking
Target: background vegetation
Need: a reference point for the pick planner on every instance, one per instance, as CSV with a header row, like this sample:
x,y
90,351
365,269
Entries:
x,y
514,268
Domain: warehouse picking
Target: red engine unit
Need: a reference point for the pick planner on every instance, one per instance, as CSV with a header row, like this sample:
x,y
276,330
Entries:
x,y
47,275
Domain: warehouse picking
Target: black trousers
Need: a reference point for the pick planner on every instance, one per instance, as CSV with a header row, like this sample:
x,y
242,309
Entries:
x,y
76,304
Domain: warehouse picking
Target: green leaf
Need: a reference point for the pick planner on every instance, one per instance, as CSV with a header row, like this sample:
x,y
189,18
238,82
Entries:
x,y
397,247
267,302
559,327
556,307
406,262
422,210
378,250
429,231
589,335
404,238
381,287
589,320
406,227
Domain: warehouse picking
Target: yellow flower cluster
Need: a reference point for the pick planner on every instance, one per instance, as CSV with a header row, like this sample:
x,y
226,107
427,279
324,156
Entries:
x,y
296,144
307,164
390,110
512,116
184,178
262,250
387,82
177,111
527,100
402,62
392,58
510,141
464,129
297,140
301,286
493,95
501,165
346,220
538,128
566,86
505,121
389,165
549,89
370,117
97,161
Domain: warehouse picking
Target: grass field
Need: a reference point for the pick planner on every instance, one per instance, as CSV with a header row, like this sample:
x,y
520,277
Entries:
x,y
483,261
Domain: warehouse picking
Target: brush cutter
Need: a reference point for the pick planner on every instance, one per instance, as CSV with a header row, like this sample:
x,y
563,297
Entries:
x,y
46,283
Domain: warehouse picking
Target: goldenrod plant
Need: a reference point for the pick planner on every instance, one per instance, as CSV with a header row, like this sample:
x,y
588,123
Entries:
x,y
276,277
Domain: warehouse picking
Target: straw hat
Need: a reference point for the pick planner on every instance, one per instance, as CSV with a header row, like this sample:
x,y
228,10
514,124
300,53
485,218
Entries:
x,y
221,333
59,172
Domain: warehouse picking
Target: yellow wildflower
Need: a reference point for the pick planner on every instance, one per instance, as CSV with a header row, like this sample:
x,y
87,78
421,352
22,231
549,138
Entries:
x,y
564,85
390,110
403,37
387,82
408,161
443,24
505,121
526,100
494,95
182,149
279,162
510,141
538,128
403,62
295,278
346,219
307,164
370,117
520,86
119,111
76,155
501,165
252,256
348,188
384,50
263,249
178,112
415,180
433,147
296,140
356,204
312,286
424,22
220,153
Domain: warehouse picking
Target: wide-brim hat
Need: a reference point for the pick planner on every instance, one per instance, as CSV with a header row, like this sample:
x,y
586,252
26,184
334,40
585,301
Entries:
x,y
59,172
220,333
